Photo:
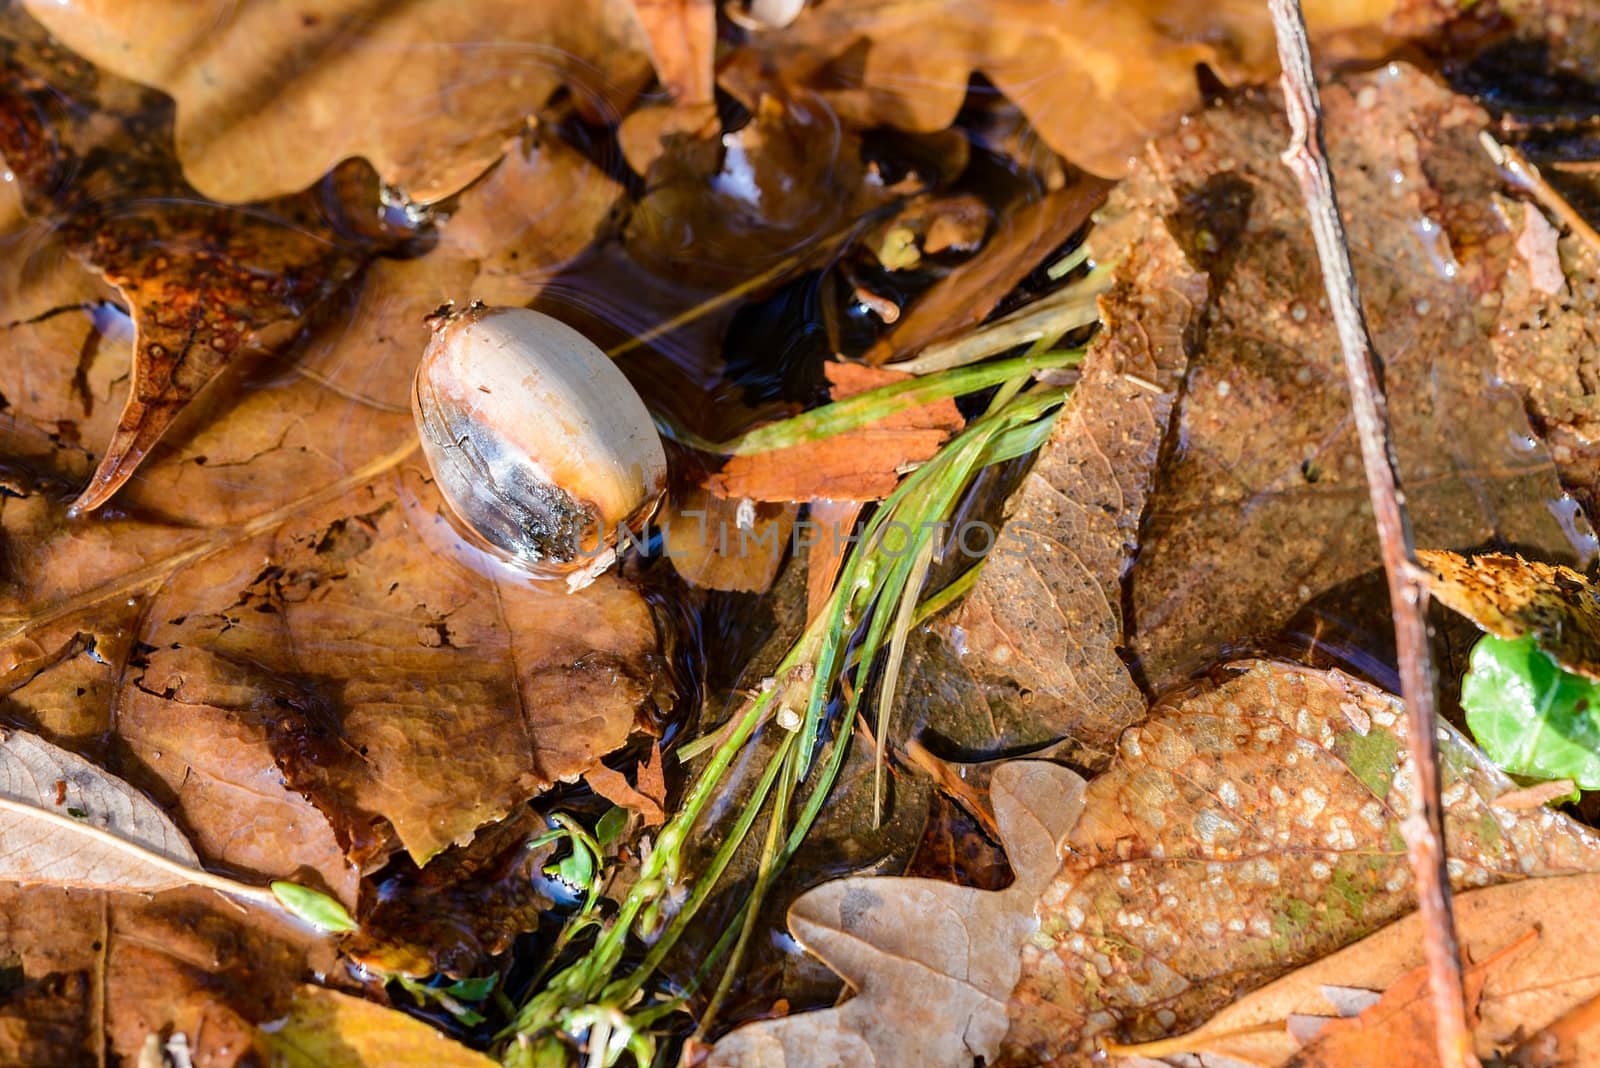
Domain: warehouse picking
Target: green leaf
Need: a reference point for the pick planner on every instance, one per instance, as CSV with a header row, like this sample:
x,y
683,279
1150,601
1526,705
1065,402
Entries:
x,y
1530,715
314,907
576,869
611,825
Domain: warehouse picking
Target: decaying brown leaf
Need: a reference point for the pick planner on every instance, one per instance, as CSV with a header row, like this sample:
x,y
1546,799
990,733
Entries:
x,y
271,96
648,798
721,210
1400,1028
1266,497
931,963
327,1029
857,465
683,38
1094,79
104,972
1524,992
1040,631
205,284
722,543
1246,828
464,906
1512,598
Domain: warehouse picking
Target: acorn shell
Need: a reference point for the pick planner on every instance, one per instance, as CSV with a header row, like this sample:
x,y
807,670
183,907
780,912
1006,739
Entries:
x,y
540,446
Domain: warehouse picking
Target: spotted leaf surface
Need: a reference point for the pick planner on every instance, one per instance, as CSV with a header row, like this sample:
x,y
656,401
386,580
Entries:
x,y
1249,826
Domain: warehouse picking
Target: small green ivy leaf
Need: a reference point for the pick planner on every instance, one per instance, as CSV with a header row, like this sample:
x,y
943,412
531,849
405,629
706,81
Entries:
x,y
314,907
576,869
611,825
1531,716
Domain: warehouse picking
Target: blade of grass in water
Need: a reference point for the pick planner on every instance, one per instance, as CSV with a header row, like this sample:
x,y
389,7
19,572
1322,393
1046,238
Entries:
x,y
866,408
872,589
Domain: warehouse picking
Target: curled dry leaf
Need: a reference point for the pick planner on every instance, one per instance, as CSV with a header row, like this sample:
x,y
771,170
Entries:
x,y
63,788
1526,991
328,1029
931,963
1095,80
857,465
1246,828
1514,598
271,96
205,284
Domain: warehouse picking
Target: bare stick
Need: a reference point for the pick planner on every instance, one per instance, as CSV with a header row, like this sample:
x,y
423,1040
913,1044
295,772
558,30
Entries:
x,y
1306,157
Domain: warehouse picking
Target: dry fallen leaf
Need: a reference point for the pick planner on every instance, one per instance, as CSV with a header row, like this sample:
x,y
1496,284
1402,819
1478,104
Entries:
x,y
931,963
683,38
328,1029
1400,1028
1513,598
1095,79
272,95
205,284
66,821
1525,992
857,465
1246,828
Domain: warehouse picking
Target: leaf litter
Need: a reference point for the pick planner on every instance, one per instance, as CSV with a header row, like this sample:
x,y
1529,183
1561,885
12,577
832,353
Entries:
x,y
232,625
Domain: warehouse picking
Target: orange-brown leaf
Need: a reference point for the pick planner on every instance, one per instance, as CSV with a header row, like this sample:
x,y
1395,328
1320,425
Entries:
x,y
858,465
683,37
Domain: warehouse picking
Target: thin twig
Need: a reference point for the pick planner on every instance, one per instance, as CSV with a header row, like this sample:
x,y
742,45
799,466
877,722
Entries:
x,y
1424,827
1521,171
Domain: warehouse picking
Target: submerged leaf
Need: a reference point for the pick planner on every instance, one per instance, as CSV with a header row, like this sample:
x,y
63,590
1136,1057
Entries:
x,y
1266,497
327,1029
931,963
205,284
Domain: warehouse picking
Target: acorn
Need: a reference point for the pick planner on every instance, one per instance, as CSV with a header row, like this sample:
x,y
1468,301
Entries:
x,y
543,451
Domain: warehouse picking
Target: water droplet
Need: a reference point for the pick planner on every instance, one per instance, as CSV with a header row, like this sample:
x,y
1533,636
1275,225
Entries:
x,y
1223,389
1297,312
1423,307
1191,143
